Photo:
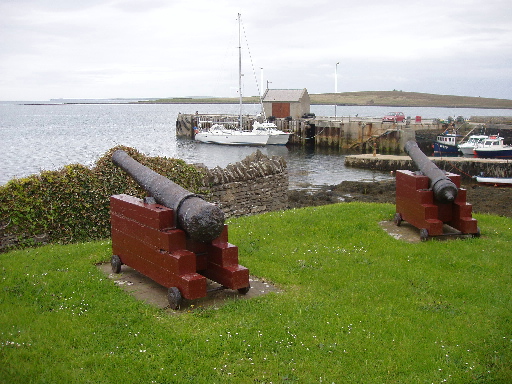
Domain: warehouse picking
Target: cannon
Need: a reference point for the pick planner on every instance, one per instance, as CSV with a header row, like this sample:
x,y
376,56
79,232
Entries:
x,y
432,200
201,220
444,189
174,237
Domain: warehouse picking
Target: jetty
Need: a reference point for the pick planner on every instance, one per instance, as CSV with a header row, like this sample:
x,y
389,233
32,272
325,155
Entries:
x,y
379,143
342,132
290,110
467,167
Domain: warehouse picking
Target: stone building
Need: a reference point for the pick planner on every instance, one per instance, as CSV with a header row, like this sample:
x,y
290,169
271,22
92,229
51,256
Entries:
x,y
282,103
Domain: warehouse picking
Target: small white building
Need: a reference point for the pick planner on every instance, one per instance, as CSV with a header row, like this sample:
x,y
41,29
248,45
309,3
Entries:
x,y
286,102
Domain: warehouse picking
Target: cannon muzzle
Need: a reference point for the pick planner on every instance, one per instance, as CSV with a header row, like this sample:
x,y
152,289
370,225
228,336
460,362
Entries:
x,y
201,220
445,191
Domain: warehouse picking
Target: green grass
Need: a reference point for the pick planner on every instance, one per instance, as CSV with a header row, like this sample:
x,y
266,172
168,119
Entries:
x,y
356,306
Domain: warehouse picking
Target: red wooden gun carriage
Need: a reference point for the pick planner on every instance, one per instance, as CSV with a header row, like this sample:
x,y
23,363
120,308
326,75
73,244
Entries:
x,y
174,237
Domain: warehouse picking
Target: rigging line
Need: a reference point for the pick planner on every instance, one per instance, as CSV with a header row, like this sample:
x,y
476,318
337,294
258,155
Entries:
x,y
252,65
460,170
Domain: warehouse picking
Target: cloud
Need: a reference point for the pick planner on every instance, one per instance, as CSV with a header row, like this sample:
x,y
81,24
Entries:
x,y
127,48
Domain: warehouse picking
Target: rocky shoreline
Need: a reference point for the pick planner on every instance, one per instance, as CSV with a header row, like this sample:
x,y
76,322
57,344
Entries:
x,y
484,199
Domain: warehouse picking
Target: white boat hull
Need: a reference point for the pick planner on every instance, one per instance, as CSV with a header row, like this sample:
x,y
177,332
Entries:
x,y
468,148
467,151
228,137
261,134
494,180
278,139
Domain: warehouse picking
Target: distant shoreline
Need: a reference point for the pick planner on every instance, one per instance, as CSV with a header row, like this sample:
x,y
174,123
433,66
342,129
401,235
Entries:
x,y
367,98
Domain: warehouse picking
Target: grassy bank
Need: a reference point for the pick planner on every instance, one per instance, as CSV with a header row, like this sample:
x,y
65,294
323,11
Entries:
x,y
357,306
379,98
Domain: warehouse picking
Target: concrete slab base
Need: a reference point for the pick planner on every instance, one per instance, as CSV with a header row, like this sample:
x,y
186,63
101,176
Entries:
x,y
408,233
145,289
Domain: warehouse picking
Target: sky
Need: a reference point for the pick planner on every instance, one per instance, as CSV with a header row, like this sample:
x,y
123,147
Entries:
x,y
97,49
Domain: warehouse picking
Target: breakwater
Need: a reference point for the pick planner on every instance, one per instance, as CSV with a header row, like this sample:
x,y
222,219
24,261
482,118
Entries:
x,y
466,167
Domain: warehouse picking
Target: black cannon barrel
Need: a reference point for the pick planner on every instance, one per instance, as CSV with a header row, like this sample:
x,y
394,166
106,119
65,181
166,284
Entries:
x,y
201,220
445,191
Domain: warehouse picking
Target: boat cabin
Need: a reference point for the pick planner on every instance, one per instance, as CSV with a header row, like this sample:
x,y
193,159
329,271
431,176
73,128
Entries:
x,y
492,141
448,139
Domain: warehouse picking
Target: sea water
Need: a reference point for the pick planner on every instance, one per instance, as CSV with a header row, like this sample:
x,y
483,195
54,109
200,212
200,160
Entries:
x,y
36,137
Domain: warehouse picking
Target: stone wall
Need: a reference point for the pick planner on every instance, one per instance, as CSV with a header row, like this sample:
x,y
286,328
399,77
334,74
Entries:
x,y
254,185
464,166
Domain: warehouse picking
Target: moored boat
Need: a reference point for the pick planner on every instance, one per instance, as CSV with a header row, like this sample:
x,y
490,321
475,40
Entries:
x,y
494,148
447,144
497,181
235,134
276,136
219,134
467,147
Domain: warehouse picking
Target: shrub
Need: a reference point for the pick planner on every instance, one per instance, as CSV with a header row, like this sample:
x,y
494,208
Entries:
x,y
72,204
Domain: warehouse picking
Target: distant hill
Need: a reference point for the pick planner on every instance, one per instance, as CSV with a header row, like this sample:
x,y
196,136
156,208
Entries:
x,y
379,98
408,99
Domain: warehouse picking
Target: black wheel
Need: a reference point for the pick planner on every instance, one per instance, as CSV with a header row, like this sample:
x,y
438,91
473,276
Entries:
x,y
423,234
174,297
398,219
477,234
116,263
243,291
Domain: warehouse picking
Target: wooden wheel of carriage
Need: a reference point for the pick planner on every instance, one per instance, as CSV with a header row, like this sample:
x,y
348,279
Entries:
x,y
397,219
174,298
243,291
115,263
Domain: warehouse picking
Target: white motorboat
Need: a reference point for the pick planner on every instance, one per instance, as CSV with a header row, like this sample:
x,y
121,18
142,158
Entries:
x,y
277,137
494,148
468,147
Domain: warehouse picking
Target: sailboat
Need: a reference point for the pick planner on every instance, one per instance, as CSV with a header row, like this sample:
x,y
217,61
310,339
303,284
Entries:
x,y
261,133
220,134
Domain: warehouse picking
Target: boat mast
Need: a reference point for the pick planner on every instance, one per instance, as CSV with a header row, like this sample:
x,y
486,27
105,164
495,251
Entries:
x,y
240,73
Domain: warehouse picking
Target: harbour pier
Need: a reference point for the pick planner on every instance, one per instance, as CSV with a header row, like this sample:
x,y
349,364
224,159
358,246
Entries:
x,y
464,166
380,143
343,132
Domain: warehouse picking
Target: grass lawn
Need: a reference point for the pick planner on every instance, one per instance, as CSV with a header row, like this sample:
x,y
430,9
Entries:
x,y
357,306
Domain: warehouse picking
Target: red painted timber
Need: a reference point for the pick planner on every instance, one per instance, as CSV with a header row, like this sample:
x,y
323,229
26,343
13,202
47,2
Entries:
x,y
179,262
415,203
191,284
152,215
223,254
145,238
201,261
233,277
166,239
